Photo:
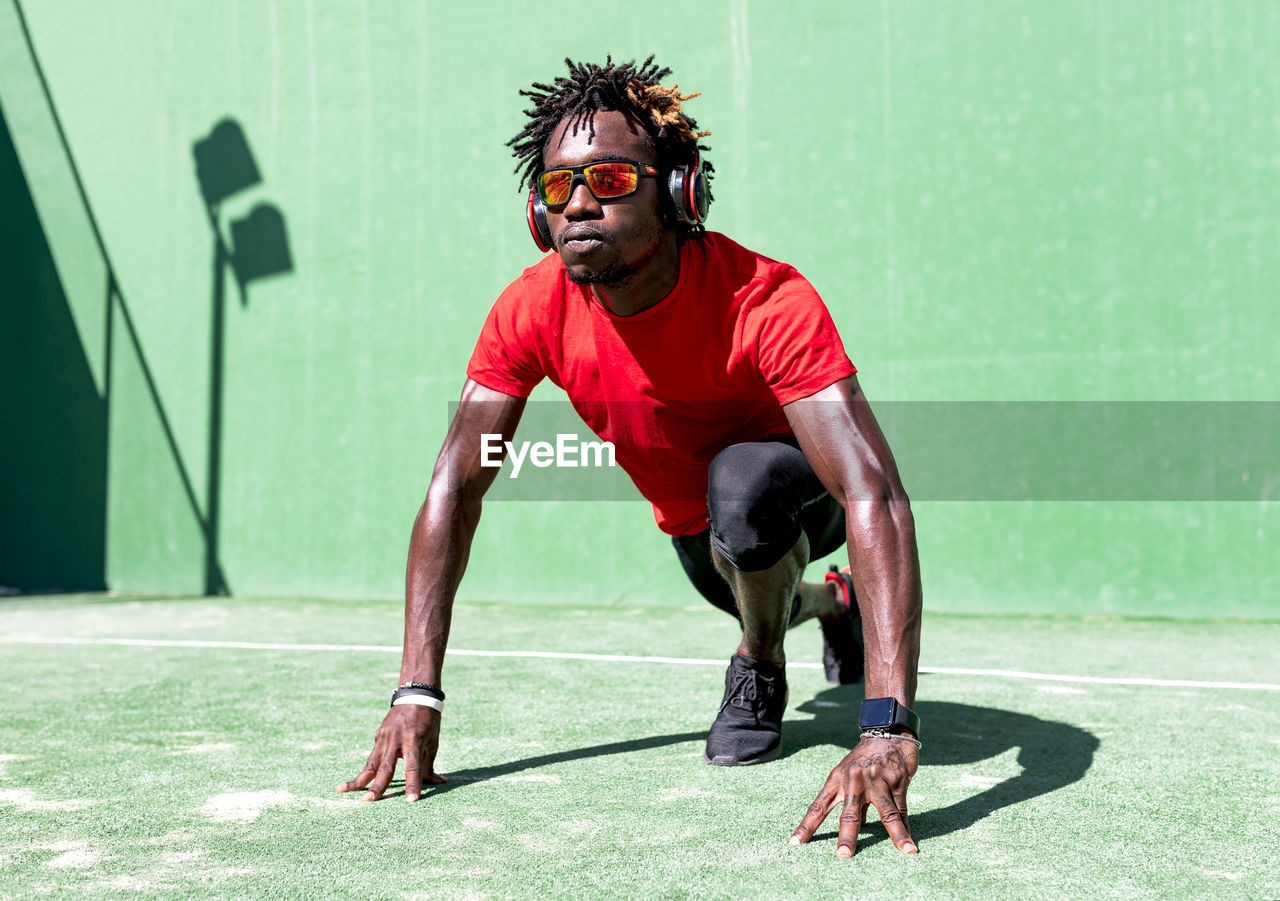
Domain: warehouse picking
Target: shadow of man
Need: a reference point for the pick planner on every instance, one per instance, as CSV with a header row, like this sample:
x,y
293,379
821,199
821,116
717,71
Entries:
x,y
1052,755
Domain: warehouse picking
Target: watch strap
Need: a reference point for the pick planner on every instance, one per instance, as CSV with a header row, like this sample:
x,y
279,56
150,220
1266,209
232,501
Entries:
x,y
887,713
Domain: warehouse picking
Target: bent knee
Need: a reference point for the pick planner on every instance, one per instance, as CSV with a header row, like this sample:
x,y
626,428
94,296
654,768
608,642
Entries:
x,y
753,504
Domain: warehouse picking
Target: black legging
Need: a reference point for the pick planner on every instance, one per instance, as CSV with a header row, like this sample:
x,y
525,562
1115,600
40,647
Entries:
x,y
760,495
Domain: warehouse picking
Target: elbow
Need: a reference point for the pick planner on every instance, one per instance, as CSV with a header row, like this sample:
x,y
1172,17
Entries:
x,y
872,486
449,505
454,491
876,503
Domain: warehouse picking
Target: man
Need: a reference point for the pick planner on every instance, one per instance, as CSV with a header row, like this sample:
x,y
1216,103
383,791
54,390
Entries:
x,y
720,379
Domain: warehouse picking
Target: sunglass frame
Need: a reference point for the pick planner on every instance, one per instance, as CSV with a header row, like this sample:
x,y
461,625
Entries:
x,y
643,170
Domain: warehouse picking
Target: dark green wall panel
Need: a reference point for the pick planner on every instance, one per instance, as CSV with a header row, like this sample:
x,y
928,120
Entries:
x,y
53,421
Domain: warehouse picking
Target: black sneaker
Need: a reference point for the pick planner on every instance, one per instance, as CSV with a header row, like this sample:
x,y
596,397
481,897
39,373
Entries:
x,y
842,653
748,728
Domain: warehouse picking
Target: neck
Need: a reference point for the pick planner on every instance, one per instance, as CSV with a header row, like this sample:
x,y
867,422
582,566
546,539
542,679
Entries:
x,y
646,285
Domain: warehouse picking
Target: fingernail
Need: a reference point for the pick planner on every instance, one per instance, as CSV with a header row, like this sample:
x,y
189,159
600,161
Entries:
x,y
844,851
795,840
368,796
910,848
411,798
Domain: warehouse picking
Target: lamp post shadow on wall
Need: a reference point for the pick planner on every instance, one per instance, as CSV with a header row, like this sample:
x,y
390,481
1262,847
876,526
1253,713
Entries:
x,y
259,249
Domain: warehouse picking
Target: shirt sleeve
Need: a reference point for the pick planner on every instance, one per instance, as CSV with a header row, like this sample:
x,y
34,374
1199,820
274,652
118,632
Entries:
x,y
793,342
506,356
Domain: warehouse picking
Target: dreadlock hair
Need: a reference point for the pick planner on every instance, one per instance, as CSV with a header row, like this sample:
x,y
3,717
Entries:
x,y
622,87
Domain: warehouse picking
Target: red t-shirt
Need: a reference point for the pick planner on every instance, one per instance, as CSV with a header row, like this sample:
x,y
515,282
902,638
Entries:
x,y
709,365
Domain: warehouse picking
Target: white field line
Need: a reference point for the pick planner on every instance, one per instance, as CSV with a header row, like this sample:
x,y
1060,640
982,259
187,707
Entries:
x,y
616,658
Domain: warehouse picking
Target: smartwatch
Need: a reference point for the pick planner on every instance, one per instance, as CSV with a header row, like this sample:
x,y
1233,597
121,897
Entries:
x,y
886,713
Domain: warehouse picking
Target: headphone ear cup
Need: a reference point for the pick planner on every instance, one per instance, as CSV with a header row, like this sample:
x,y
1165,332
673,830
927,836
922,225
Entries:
x,y
536,213
699,200
676,188
688,188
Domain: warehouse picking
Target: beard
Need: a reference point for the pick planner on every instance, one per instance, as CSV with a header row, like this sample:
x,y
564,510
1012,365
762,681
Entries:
x,y
617,271
610,276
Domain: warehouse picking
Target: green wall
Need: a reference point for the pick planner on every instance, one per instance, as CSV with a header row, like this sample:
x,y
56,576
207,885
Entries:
x,y
998,200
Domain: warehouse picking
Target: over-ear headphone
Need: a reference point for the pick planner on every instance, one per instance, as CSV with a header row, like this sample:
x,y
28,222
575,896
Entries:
x,y
536,212
687,185
688,188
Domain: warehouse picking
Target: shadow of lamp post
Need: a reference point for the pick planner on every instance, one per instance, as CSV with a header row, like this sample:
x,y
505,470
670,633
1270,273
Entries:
x,y
259,249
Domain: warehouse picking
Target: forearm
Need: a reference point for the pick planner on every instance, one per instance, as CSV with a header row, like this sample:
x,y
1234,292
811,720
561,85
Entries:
x,y
885,566
438,552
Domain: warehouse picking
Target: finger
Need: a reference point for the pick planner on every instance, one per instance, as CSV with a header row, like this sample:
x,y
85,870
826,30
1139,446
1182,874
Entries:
x,y
431,777
895,822
412,773
818,810
386,770
850,821
900,798
363,777
361,780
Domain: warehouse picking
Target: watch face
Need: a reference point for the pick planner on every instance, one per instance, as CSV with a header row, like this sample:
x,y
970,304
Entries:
x,y
877,712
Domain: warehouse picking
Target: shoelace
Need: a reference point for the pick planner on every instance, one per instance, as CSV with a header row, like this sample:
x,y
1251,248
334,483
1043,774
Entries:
x,y
747,688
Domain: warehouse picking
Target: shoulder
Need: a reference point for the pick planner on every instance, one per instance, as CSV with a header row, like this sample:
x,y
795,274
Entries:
x,y
758,274
538,295
541,281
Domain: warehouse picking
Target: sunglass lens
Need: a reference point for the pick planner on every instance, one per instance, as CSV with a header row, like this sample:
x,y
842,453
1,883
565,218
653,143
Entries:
x,y
611,179
555,186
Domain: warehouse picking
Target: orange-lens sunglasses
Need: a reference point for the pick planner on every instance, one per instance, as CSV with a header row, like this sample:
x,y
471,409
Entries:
x,y
605,179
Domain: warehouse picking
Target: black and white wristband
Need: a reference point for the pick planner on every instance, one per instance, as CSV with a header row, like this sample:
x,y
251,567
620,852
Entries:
x,y
419,694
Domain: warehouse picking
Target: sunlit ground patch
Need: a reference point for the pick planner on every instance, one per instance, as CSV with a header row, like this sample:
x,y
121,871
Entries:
x,y
243,807
29,802
80,856
211,747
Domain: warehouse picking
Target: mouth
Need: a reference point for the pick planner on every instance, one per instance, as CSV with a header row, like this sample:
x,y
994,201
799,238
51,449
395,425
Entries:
x,y
581,240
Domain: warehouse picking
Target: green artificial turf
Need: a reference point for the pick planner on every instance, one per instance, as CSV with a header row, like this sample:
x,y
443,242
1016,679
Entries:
x,y
180,771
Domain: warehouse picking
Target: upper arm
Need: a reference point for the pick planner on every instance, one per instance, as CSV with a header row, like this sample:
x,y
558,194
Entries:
x,y
481,411
844,444
508,354
790,338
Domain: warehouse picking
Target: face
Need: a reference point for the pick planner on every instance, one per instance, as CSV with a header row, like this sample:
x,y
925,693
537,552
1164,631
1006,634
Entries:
x,y
605,241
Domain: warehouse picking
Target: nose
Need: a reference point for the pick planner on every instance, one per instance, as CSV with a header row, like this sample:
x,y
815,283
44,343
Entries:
x,y
582,203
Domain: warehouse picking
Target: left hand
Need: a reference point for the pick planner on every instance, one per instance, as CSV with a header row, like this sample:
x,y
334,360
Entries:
x,y
877,771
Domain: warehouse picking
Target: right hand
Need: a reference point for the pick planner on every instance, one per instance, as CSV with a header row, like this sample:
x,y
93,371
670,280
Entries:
x,y
410,731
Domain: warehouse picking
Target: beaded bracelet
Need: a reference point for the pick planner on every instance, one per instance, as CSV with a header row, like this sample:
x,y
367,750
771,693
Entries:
x,y
882,733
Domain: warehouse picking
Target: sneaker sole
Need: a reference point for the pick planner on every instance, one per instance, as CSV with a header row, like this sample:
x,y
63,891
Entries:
x,y
831,660
771,754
